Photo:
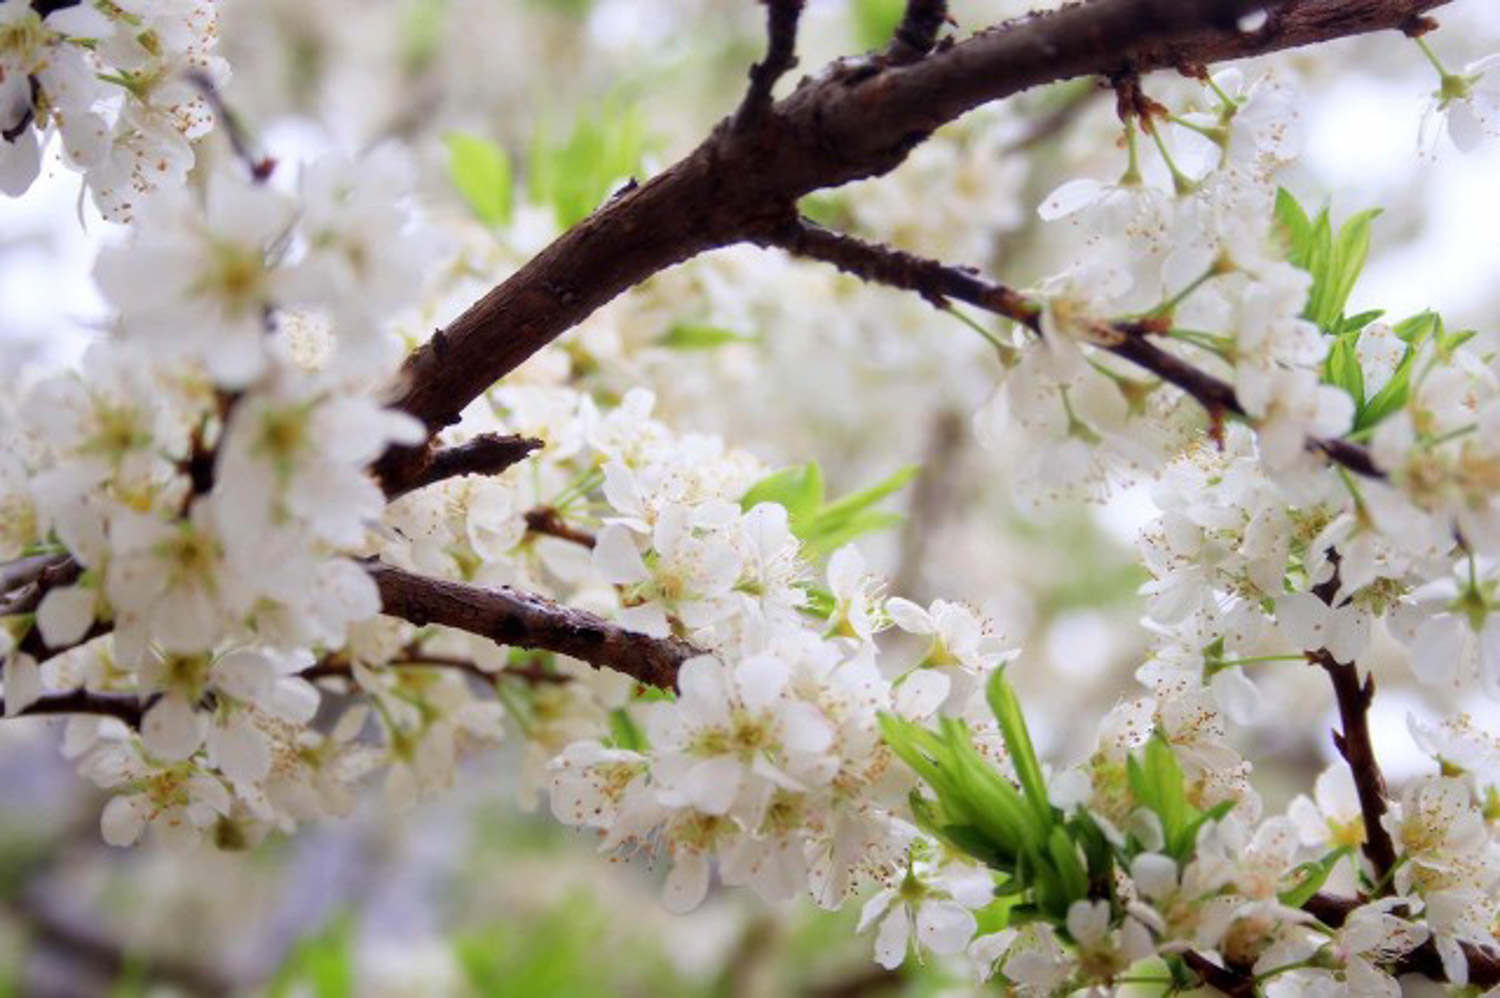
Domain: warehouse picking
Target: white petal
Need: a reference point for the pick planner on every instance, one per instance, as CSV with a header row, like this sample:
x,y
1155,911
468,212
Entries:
x,y
23,684
616,557
123,820
921,693
171,729
944,927
890,941
712,784
1073,196
909,617
687,884
64,615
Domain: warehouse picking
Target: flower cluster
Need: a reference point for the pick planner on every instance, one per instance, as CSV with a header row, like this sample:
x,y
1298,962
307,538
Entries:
x,y
198,531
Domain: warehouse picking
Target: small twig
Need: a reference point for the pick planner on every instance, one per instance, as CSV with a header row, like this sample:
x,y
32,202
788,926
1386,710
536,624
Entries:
x,y
260,166
486,454
937,282
1354,742
918,31
546,520
781,56
1355,746
1232,983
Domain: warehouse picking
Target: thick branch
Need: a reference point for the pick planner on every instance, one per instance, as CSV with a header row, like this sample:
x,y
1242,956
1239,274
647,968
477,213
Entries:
x,y
859,119
937,282
524,620
126,708
486,454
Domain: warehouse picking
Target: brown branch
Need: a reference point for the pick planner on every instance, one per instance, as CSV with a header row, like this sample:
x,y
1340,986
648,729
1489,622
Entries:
x,y
546,520
1355,746
781,57
524,620
937,282
23,571
23,583
127,708
1483,961
1230,982
858,119
486,454
413,657
918,31
1354,742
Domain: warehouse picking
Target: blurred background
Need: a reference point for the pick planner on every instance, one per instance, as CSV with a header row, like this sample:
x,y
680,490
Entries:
x,y
473,893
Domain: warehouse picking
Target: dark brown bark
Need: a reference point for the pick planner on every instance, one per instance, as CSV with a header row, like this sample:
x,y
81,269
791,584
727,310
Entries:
x,y
486,454
1355,746
524,620
858,119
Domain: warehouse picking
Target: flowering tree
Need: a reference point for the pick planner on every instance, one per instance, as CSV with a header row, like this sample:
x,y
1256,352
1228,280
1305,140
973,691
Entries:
x,y
269,539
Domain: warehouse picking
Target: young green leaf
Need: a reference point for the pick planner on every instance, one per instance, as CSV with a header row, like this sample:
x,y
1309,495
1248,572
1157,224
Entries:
x,y
480,171
696,336
798,488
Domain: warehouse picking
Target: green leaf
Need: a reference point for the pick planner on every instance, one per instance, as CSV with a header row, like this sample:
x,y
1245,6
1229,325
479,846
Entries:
x,y
798,488
824,539
1064,856
480,170
600,153
1390,398
1341,368
1312,876
696,336
841,521
1350,253
1007,710
821,528
856,501
1355,323
625,733
1296,228
1416,329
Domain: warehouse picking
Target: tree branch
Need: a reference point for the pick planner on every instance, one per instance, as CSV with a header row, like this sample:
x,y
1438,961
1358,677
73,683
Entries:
x,y
546,520
781,56
524,620
1230,982
858,119
1355,746
918,31
486,454
1483,961
127,708
1354,743
23,583
937,282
